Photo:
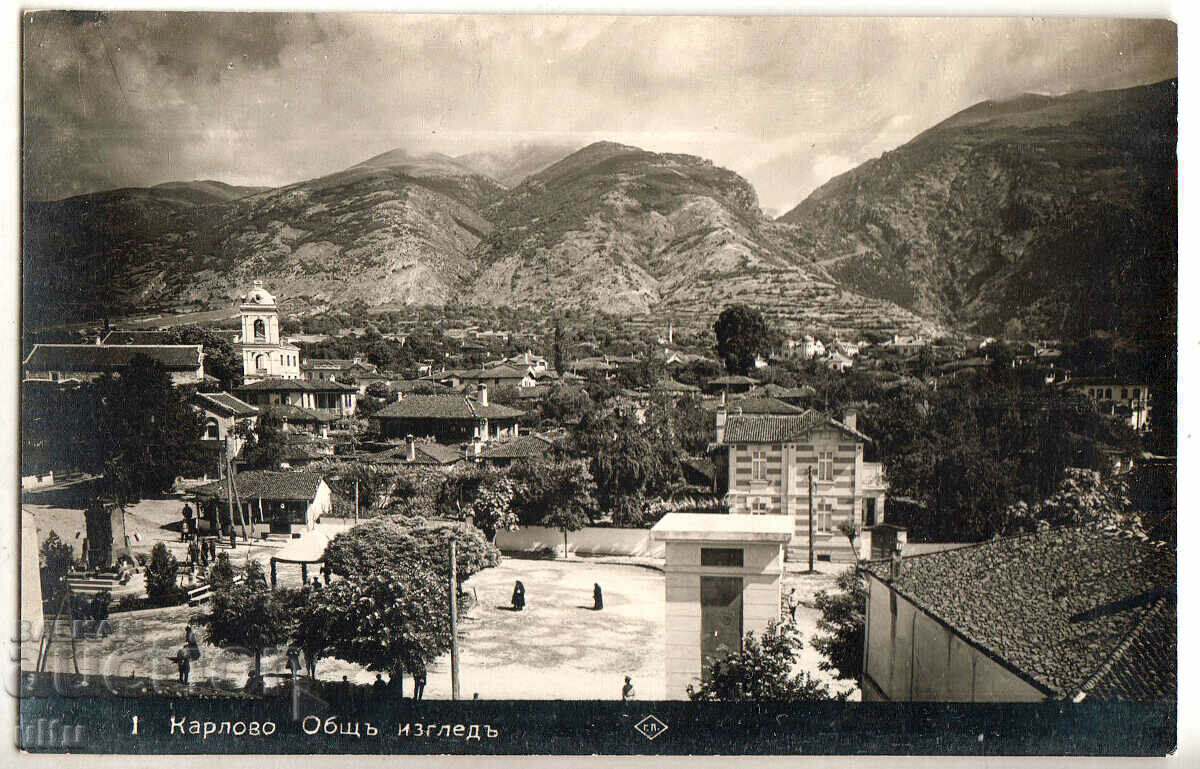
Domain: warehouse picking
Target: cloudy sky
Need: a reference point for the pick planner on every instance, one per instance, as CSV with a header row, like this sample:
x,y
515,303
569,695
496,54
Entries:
x,y
134,99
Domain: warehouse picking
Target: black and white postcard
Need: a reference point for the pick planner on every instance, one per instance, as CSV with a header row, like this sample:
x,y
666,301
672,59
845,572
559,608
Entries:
x,y
529,384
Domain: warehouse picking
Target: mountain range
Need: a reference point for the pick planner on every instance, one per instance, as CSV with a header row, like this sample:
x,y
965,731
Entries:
x,y
1052,213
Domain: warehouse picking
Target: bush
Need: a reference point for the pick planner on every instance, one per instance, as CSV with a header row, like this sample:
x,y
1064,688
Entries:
x,y
762,672
161,575
843,618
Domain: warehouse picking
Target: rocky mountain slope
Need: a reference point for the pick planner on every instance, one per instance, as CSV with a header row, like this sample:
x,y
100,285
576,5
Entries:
x,y
1037,214
393,228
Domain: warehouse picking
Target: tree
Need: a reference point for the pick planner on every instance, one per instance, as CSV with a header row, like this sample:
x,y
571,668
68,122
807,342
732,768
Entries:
x,y
221,360
492,509
762,672
392,542
556,494
161,576
247,617
56,558
560,348
137,429
266,443
742,335
386,619
843,619
314,626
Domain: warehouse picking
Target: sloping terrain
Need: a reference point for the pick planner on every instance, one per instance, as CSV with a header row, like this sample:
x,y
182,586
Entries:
x,y
1039,214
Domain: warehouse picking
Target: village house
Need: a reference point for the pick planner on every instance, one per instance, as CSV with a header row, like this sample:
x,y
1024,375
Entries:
x,y
1117,397
497,376
292,418
448,418
263,355
330,398
411,452
1067,614
287,502
504,453
222,413
88,362
769,459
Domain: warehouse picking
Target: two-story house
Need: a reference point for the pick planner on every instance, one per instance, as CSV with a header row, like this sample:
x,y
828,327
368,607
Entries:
x,y
769,459
222,413
332,399
1117,397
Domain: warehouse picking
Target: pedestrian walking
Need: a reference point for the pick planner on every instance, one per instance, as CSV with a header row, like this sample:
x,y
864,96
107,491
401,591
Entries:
x,y
293,661
597,597
191,642
627,692
379,687
518,596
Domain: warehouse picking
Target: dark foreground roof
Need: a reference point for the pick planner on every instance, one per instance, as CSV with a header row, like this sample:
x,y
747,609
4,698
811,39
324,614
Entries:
x,y
266,484
443,407
781,429
98,357
1077,612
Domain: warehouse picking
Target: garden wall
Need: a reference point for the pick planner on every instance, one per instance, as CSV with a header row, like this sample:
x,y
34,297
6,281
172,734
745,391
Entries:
x,y
592,540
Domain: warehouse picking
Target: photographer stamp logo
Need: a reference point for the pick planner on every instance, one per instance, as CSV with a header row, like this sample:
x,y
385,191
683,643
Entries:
x,y
650,727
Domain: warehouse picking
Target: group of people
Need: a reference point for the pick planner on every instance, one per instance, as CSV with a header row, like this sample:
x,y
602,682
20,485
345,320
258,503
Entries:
x,y
518,596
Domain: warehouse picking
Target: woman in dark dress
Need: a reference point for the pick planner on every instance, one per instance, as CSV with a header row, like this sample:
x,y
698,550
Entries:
x,y
518,596
598,597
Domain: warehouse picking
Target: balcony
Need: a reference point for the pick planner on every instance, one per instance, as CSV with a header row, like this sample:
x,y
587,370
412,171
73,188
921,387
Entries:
x,y
872,477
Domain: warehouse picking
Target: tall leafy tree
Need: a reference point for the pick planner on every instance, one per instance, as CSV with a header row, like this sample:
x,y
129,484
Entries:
x,y
742,334
247,617
221,360
843,625
560,495
56,559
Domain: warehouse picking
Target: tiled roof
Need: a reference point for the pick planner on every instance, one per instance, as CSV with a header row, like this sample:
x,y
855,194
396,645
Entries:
x,y
521,447
265,484
671,386
97,357
732,379
296,414
325,364
426,454
779,391
443,407
136,337
1074,611
780,429
224,403
276,384
416,385
761,406
497,372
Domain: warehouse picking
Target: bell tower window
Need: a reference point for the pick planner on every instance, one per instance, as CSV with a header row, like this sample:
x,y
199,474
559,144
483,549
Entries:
x,y
260,330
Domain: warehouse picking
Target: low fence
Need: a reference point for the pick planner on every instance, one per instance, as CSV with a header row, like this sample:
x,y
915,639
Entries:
x,y
592,540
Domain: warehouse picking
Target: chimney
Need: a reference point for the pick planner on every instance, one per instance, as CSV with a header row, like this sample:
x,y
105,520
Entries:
x,y
258,284
851,419
720,422
481,394
399,395
897,561
97,339
722,398
412,449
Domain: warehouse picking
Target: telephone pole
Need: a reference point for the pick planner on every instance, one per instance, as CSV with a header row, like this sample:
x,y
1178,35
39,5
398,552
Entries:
x,y
454,694
810,518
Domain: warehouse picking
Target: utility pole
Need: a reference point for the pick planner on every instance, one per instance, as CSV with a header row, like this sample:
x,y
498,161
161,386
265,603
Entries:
x,y
810,518
356,503
454,694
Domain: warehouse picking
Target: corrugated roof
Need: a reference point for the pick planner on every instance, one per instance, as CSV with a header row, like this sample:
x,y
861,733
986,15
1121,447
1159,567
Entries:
x,y
1072,610
224,403
266,484
444,407
779,428
99,357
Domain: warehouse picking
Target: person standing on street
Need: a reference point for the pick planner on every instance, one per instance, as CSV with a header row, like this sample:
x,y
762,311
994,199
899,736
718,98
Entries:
x,y
627,692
